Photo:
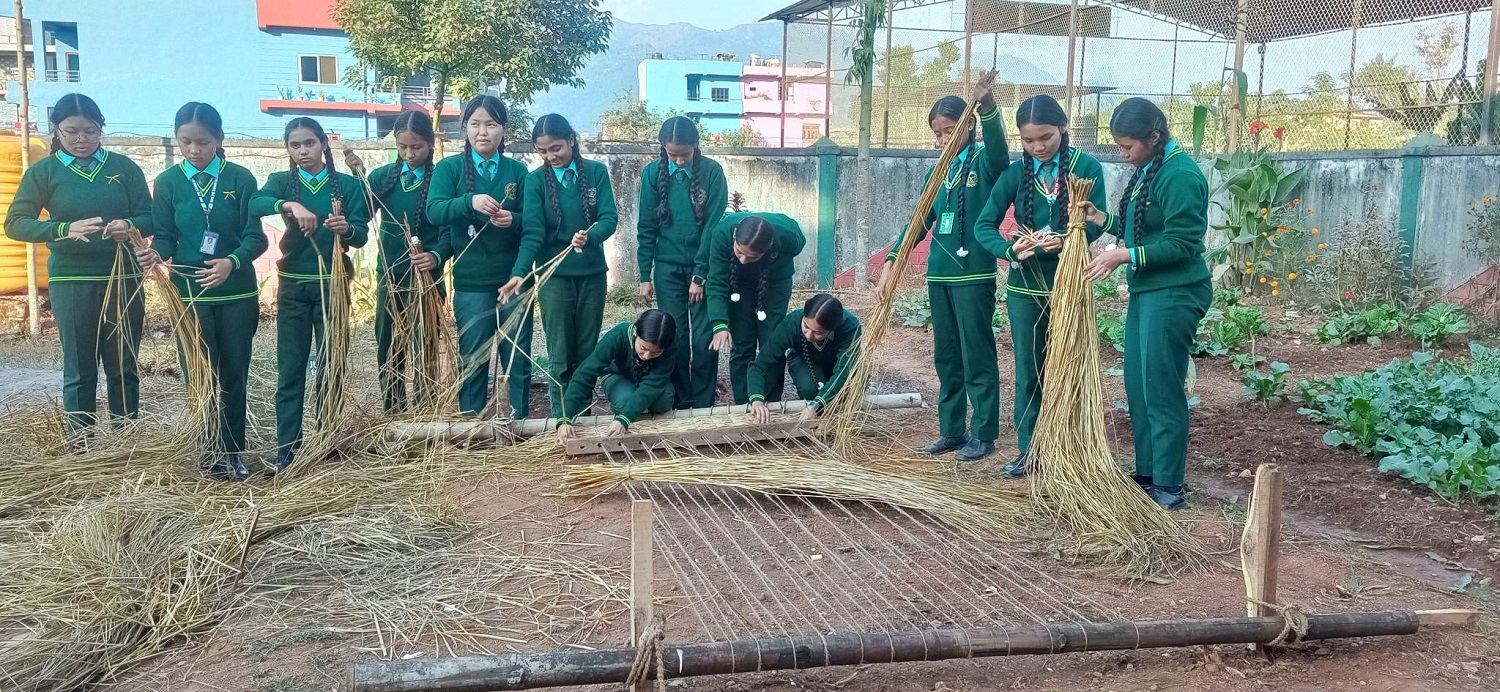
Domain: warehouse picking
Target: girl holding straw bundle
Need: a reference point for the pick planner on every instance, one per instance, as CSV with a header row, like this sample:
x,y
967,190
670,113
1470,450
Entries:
x,y
318,204
635,361
1163,217
751,261
961,277
818,344
96,201
205,229
399,190
683,196
477,199
1037,189
570,204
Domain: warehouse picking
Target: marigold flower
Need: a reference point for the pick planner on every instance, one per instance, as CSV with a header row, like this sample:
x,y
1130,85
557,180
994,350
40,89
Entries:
x,y
1315,231
1322,245
1274,284
1291,276
1275,292
1262,279
1312,257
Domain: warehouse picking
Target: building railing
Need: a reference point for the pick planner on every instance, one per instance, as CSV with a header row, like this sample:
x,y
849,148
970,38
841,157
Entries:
x,y
62,76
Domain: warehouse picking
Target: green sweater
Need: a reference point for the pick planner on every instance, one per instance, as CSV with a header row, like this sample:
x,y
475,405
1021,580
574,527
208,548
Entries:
x,y
177,212
310,258
679,241
780,261
1167,250
400,210
544,235
1033,276
484,257
838,353
115,189
955,255
615,355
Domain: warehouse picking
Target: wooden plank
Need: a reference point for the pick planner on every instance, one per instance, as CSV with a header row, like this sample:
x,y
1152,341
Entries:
x,y
642,521
1260,545
709,437
1452,616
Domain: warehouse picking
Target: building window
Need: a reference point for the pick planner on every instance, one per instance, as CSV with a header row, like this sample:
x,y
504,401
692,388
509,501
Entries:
x,y
318,69
811,132
721,94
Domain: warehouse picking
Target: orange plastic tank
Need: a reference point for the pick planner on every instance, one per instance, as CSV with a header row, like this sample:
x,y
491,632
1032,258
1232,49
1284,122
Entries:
x,y
13,252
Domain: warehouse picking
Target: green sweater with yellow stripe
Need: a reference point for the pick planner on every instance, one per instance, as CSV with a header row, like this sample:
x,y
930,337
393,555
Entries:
x,y
400,205
310,258
679,240
1166,251
955,256
548,229
781,261
178,214
114,189
615,355
484,256
838,353
1033,275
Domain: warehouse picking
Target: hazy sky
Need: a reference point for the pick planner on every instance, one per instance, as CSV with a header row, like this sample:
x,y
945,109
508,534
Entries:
x,y
722,15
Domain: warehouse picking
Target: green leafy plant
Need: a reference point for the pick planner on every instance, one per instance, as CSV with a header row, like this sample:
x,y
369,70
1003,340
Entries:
x,y
1370,326
1483,244
1226,330
1226,297
1267,388
1434,325
913,310
1266,226
1367,263
1112,330
1245,361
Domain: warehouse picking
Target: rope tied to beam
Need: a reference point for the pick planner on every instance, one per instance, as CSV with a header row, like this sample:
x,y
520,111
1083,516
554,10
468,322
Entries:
x,y
1294,622
648,646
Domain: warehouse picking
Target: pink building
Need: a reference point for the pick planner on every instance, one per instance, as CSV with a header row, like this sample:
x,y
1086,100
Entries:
x,y
805,102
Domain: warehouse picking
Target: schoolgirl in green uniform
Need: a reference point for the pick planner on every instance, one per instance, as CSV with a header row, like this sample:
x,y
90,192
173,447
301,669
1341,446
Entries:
x,y
818,344
306,196
1038,190
400,195
683,196
634,362
93,198
477,199
205,230
569,203
1163,216
961,281
751,262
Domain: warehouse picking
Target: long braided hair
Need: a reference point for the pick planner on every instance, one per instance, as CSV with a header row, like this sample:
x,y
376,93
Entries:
x,y
557,127
681,131
952,108
1043,110
828,312
205,116
655,327
1137,118
496,109
759,236
71,105
294,181
419,124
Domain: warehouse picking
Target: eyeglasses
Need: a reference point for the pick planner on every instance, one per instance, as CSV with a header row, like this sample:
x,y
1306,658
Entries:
x,y
80,135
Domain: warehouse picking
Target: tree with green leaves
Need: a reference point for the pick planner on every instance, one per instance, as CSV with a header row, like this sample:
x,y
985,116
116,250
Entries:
x,y
862,72
520,46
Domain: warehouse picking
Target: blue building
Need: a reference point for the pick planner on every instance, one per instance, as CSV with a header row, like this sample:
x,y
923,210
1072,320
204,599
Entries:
x,y
259,62
708,91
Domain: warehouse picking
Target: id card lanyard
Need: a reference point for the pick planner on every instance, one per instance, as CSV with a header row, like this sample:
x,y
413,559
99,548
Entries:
x,y
210,238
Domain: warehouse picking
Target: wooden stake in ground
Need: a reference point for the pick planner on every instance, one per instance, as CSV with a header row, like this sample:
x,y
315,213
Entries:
x,y
642,522
1260,546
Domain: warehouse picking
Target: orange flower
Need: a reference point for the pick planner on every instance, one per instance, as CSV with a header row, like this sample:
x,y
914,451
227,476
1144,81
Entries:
x,y
1297,200
1309,210
1291,276
1262,279
1274,284
1248,263
1268,253
1322,246
1275,292
1314,231
1312,257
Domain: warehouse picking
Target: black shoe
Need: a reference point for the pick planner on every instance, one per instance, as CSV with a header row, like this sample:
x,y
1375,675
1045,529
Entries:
x,y
976,449
214,467
942,445
1016,468
1143,481
1169,497
236,466
284,458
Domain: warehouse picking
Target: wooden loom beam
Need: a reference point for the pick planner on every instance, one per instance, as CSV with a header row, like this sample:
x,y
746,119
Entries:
x,y
575,667
708,437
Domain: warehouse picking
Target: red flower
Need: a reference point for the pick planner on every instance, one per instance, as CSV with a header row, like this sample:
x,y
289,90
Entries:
x,y
1348,295
1257,126
1280,132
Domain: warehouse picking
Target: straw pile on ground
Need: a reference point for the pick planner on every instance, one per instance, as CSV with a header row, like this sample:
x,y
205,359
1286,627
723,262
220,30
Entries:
x,y
1075,475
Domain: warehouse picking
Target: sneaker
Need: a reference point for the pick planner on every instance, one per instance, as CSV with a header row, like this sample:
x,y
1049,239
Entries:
x,y
1168,497
942,445
284,458
976,449
1143,481
1016,468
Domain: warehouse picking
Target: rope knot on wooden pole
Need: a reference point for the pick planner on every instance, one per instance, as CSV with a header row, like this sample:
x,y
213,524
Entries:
x,y
649,646
1295,622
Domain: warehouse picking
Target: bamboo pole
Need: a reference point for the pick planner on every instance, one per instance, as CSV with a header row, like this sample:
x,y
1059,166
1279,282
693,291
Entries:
x,y
33,285
1490,66
1068,81
554,669
1232,124
498,429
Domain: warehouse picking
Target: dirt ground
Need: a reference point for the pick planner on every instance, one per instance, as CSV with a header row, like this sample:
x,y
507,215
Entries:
x,y
1354,541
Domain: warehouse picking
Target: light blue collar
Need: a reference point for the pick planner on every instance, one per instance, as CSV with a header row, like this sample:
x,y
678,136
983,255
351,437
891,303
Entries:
x,y
963,155
495,158
322,175
406,168
68,159
572,166
1167,152
214,167
1036,164
673,168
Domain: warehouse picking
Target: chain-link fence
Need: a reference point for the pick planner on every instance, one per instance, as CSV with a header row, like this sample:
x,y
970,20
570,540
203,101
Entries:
x,y
1312,74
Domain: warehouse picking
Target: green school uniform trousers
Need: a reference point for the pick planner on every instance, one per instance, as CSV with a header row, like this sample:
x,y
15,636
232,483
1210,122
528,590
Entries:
x,y
961,289
228,314
818,371
728,279
572,301
1028,286
633,389
398,196
672,255
304,273
98,326
484,258
1170,291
